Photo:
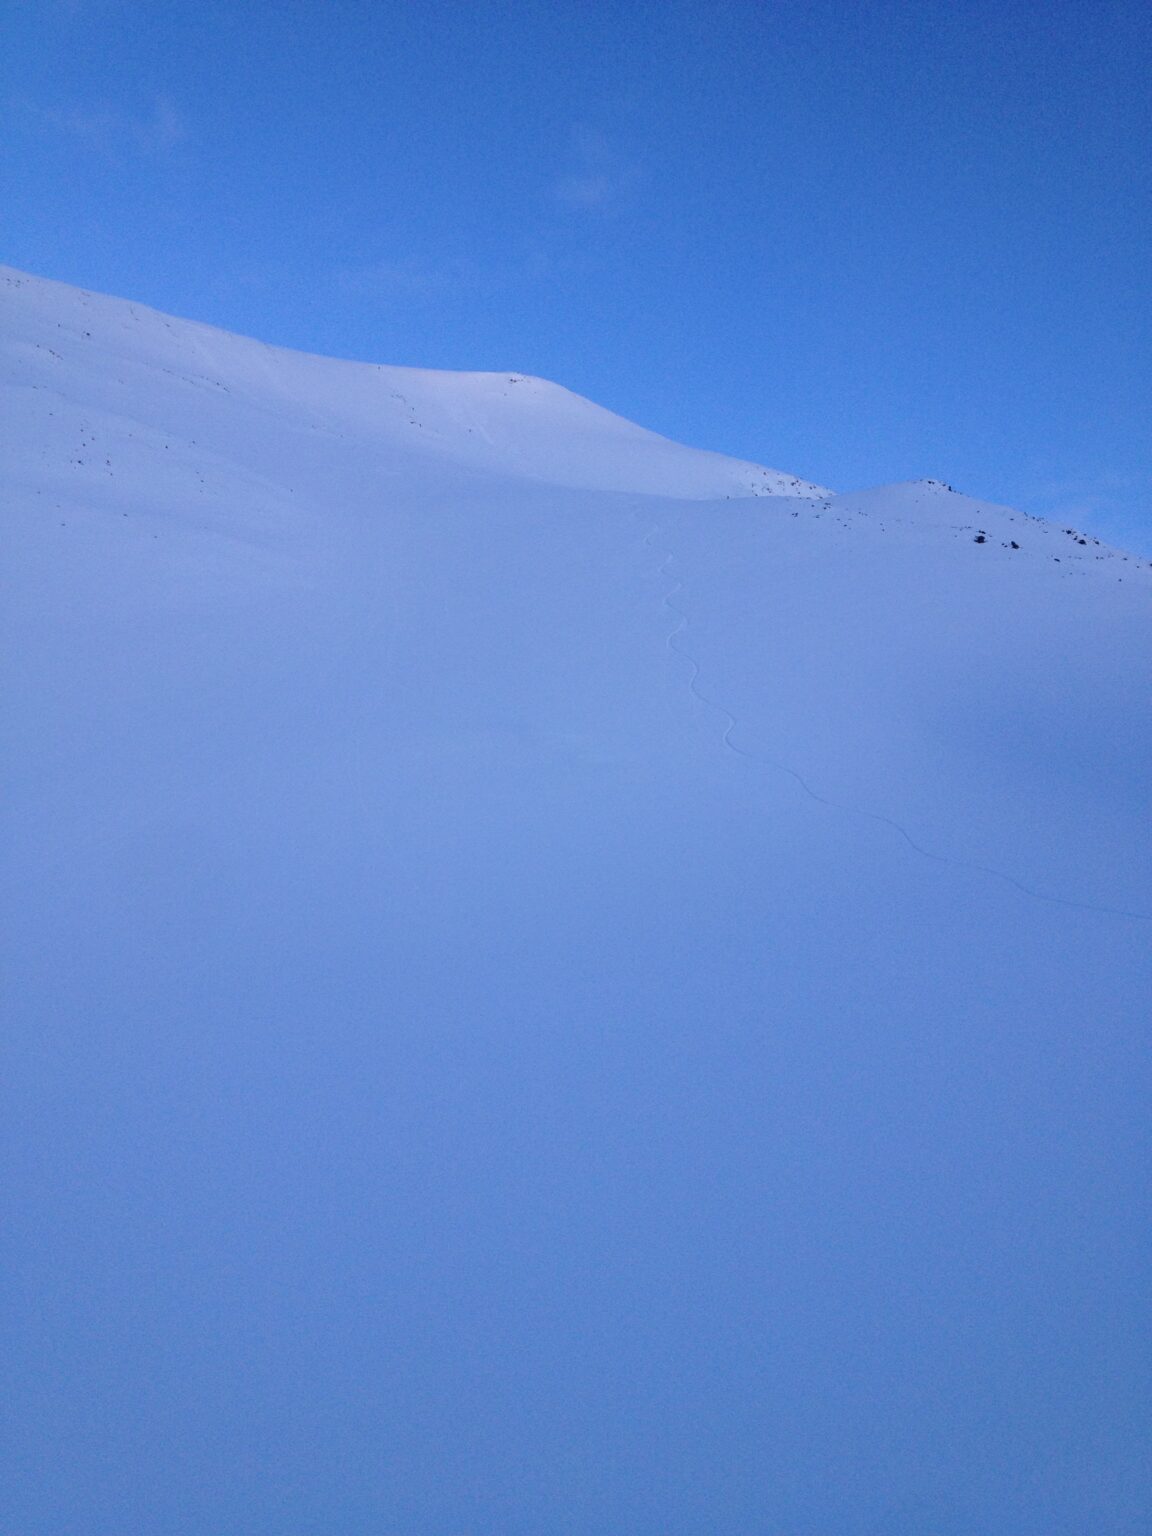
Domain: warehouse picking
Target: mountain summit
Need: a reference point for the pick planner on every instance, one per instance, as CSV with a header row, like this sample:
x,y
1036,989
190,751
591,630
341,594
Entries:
x,y
558,980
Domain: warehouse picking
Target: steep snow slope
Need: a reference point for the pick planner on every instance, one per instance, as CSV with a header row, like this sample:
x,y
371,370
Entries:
x,y
542,1001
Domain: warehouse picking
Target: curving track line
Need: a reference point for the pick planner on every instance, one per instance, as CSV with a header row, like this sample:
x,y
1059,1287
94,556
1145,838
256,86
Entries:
x,y
763,761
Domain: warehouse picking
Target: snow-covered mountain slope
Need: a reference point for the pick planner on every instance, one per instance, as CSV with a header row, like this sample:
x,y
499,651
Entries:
x,y
139,384
549,989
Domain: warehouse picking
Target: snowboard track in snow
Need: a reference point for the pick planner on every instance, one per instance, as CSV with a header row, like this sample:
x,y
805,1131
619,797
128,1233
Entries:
x,y
762,760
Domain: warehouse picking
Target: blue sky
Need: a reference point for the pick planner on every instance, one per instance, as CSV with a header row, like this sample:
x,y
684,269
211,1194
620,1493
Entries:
x,y
859,242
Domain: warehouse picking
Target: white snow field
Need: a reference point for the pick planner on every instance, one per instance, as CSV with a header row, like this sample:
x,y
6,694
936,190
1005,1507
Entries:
x,y
556,984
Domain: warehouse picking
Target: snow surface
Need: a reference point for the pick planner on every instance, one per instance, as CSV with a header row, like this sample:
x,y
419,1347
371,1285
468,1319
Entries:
x,y
557,982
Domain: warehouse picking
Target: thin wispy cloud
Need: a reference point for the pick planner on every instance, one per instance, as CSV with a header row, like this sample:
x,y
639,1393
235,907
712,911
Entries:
x,y
412,280
385,280
152,131
1090,492
599,175
52,8
1109,503
72,10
